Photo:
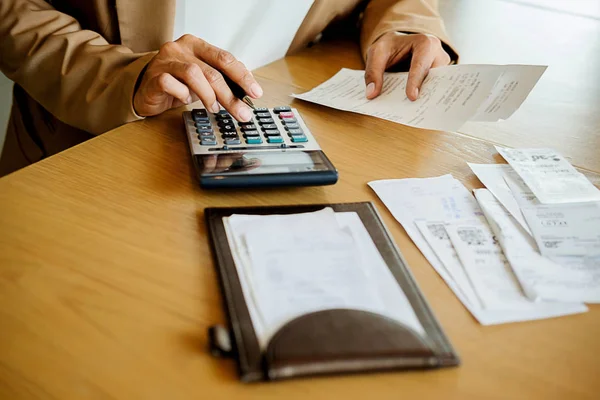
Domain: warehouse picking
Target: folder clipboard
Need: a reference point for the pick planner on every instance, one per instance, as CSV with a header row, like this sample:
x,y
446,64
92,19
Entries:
x,y
332,341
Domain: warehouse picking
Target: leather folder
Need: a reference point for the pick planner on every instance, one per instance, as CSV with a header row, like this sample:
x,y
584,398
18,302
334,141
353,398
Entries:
x,y
331,341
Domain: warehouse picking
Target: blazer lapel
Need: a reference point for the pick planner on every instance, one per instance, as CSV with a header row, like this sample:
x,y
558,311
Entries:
x,y
145,25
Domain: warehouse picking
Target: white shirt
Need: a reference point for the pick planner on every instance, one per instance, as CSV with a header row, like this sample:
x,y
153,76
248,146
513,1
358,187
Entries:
x,y
256,32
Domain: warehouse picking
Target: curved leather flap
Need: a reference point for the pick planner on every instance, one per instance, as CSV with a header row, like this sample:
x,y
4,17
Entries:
x,y
342,335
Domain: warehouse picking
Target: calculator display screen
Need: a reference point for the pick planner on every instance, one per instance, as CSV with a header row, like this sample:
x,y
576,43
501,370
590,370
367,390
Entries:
x,y
256,163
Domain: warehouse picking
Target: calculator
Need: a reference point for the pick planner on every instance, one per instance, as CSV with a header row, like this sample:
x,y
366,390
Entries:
x,y
275,148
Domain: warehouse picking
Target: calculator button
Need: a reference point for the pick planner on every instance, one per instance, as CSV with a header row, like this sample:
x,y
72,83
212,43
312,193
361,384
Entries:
x,y
235,140
205,135
292,126
204,130
289,120
271,132
254,140
269,126
263,121
286,114
224,122
199,113
277,110
242,123
274,139
299,139
202,121
263,114
260,110
203,126
293,132
251,133
208,141
226,135
227,128
222,112
249,127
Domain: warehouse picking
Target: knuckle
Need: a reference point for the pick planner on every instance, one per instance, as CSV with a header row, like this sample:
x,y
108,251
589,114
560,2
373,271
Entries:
x,y
191,70
212,75
169,48
225,58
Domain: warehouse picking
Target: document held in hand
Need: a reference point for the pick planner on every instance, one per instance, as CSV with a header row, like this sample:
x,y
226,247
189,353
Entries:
x,y
449,96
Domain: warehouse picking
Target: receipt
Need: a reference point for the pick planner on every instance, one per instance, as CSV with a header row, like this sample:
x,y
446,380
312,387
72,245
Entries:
x,y
492,176
568,279
486,265
449,96
445,199
559,229
550,177
435,234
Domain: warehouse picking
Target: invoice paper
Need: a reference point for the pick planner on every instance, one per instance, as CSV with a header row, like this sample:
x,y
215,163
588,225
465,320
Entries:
x,y
449,96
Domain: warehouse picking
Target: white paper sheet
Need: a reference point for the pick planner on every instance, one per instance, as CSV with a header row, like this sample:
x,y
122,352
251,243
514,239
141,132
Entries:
x,y
572,279
550,177
291,265
486,265
448,98
446,199
492,176
559,229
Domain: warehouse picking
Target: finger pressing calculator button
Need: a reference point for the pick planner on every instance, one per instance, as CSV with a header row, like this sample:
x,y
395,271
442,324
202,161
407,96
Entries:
x,y
232,141
271,132
277,110
299,139
263,121
292,126
251,133
263,114
260,110
269,126
293,132
286,114
254,140
274,139
249,127
289,120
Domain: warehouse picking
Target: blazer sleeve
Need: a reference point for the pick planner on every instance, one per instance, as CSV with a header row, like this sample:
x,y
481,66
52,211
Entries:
x,y
75,74
409,16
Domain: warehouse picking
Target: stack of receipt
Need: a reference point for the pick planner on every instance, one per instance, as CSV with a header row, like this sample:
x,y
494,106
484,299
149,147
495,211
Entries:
x,y
526,247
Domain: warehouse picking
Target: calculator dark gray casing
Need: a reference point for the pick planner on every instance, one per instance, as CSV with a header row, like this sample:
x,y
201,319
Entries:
x,y
327,175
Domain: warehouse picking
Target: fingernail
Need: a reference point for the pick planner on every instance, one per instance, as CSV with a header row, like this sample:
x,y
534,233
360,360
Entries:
x,y
416,93
245,114
256,90
215,107
370,89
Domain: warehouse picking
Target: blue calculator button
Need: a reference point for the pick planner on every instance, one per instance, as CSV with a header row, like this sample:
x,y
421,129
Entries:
x,y
274,139
292,126
254,140
299,139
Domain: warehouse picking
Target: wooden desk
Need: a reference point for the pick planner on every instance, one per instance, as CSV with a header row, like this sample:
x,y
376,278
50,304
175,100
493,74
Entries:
x,y
107,286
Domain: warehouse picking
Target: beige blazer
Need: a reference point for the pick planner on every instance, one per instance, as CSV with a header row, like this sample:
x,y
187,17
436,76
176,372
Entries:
x,y
76,63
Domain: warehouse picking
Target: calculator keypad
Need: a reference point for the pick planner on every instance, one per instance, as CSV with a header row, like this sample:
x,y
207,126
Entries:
x,y
274,128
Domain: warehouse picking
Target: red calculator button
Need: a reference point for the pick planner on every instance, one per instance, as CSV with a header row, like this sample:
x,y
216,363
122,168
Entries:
x,y
288,114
